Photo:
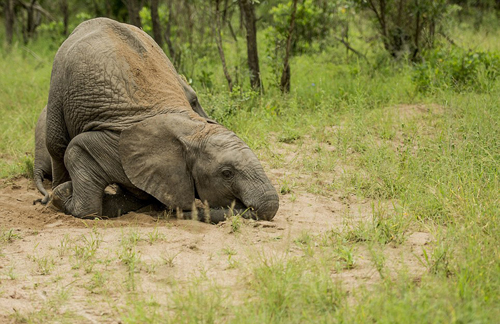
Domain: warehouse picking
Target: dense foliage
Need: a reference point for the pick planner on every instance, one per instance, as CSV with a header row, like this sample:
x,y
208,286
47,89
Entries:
x,y
413,30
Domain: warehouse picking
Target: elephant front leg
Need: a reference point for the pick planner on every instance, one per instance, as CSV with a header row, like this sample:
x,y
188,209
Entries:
x,y
56,141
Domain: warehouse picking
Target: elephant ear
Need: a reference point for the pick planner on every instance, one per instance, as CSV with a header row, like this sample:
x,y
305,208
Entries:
x,y
152,155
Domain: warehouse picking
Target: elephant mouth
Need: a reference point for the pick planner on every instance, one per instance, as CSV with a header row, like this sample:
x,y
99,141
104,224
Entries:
x,y
238,204
196,194
235,203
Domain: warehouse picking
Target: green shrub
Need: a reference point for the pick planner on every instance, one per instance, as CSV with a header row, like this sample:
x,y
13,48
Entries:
x,y
312,23
457,69
407,27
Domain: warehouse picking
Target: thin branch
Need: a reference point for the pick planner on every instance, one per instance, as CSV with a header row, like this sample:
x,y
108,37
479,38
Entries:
x,y
451,41
38,58
43,11
348,46
233,34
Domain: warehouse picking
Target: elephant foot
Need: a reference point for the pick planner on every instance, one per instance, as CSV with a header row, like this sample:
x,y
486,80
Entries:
x,y
61,195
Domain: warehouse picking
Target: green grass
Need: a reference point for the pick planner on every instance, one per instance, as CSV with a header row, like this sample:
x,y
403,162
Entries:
x,y
428,162
24,85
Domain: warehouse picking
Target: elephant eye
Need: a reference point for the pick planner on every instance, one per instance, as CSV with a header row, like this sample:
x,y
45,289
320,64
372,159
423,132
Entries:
x,y
227,174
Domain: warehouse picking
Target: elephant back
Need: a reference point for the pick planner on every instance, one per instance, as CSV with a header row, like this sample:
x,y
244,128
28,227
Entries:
x,y
109,76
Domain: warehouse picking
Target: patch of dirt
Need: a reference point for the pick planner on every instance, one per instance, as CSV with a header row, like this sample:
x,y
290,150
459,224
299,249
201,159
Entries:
x,y
412,111
42,265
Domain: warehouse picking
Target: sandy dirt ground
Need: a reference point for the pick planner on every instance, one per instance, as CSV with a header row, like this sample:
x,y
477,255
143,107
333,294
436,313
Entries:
x,y
40,265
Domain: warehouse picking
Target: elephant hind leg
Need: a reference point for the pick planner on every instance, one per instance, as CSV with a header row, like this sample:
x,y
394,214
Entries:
x,y
82,196
57,139
93,163
113,205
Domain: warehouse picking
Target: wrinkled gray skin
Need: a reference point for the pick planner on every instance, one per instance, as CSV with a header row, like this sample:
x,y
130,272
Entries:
x,y
117,113
43,165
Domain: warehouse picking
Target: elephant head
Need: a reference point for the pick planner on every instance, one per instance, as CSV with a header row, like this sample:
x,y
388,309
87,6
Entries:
x,y
179,157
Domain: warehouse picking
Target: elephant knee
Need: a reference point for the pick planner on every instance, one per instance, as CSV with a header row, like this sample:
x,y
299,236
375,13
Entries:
x,y
73,156
61,196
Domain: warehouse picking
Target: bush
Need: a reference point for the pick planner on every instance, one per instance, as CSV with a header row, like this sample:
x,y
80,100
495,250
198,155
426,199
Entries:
x,y
407,27
310,24
457,69
314,22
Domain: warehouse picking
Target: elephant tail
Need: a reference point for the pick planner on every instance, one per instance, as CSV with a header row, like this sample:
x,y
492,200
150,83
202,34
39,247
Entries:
x,y
38,177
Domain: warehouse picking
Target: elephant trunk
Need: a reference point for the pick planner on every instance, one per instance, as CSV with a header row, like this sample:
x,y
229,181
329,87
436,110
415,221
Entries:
x,y
263,206
268,209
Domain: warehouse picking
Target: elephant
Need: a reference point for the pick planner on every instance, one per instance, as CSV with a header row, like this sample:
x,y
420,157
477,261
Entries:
x,y
43,166
117,113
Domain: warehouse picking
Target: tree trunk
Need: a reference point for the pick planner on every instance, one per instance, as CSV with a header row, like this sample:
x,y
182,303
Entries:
x,y
97,9
65,13
8,11
133,7
285,76
155,18
218,41
190,22
168,37
416,50
30,23
248,12
33,18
